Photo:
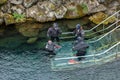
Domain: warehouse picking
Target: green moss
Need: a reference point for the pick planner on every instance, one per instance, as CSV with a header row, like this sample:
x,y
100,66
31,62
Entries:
x,y
2,1
19,17
85,8
80,10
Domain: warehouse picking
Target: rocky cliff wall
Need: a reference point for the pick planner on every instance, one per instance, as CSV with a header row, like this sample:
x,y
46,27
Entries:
x,y
16,11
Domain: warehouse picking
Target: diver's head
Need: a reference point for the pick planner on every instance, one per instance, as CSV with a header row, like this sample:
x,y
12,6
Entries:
x,y
78,26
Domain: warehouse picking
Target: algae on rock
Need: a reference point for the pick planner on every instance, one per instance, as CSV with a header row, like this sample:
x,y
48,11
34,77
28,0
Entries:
x,y
100,16
2,1
9,19
19,17
29,29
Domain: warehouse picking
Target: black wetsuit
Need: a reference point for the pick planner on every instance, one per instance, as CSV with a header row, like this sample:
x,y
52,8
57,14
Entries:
x,y
54,33
80,47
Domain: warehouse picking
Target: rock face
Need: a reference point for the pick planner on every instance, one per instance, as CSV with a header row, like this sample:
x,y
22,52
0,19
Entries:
x,y
74,10
41,13
100,16
9,19
50,10
1,17
29,29
16,1
29,3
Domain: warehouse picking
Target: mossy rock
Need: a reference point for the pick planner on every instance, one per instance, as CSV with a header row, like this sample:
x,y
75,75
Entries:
x,y
100,16
29,29
19,18
9,19
80,10
2,1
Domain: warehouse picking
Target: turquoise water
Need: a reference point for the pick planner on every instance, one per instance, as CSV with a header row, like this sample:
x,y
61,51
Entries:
x,y
25,65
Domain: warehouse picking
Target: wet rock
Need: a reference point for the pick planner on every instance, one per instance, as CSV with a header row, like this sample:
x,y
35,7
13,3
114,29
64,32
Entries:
x,y
2,32
29,3
16,1
29,29
3,1
70,24
1,17
9,19
100,16
32,40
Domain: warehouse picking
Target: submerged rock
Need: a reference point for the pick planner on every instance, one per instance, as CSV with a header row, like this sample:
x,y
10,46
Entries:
x,y
29,3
